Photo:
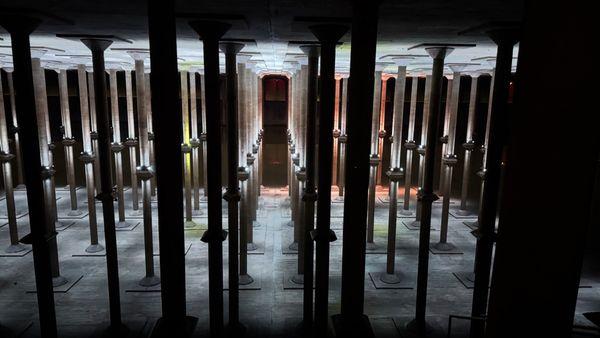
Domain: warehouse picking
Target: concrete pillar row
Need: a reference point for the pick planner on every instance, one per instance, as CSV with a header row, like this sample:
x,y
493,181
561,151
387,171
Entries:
x,y
374,159
145,171
68,141
396,172
6,160
117,146
449,158
47,164
131,143
195,142
88,158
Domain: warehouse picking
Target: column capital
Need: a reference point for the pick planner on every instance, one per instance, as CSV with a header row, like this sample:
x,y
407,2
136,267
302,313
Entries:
x,y
209,30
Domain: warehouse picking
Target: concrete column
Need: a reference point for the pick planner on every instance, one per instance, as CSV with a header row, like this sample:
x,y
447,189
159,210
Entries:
x,y
195,143
68,140
449,158
117,146
328,35
131,142
203,136
468,146
343,139
260,100
148,96
20,26
93,126
444,137
14,129
210,32
410,145
232,196
46,163
186,149
298,278
395,173
144,171
336,132
88,158
381,132
5,159
352,321
421,149
374,159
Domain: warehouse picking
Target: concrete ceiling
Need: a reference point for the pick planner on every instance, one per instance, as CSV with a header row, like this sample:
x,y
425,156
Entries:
x,y
272,24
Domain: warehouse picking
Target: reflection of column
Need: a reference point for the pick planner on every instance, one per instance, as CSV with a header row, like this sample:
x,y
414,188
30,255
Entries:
x,y
203,137
5,158
410,145
88,158
116,146
449,158
145,171
131,142
93,128
186,149
14,129
373,160
395,173
195,143
342,139
46,162
68,140
421,150
469,146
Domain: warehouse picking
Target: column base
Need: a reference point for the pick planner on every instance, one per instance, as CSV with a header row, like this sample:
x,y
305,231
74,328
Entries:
x,y
474,225
411,329
149,281
251,247
444,248
136,212
163,329
245,279
290,224
463,212
14,248
122,224
405,212
93,248
293,246
74,213
356,327
413,225
372,246
297,279
190,224
390,278
59,281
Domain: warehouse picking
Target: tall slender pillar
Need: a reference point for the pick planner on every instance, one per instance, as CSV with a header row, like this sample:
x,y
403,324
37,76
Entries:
x,y
68,140
336,132
352,321
232,196
381,133
5,159
250,159
438,52
468,146
166,118
117,146
210,32
47,164
20,27
396,172
151,154
14,129
144,171
328,36
131,143
410,145
195,142
343,138
444,136
449,158
93,126
97,47
203,136
505,36
421,149
186,149
374,158
88,158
